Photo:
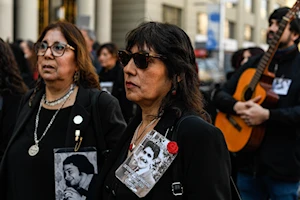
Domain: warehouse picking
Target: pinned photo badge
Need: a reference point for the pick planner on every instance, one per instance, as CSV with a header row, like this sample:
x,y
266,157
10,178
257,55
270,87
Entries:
x,y
147,163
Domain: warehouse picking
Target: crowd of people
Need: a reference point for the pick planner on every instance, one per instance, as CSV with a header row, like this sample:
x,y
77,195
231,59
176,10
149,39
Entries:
x,y
66,92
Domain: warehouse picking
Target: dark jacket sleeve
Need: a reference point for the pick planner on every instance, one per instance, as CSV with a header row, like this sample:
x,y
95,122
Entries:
x,y
222,97
206,162
113,123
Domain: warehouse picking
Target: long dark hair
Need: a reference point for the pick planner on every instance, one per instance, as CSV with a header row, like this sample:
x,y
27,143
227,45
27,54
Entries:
x,y
10,76
175,45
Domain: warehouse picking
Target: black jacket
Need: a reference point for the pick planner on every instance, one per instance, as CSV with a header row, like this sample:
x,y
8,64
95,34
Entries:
x,y
279,153
111,121
204,162
8,116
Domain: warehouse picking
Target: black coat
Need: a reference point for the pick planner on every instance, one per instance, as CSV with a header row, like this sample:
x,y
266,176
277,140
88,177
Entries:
x,y
111,120
279,153
8,116
204,159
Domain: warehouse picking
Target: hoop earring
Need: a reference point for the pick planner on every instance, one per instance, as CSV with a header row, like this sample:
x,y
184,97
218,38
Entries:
x,y
173,91
76,77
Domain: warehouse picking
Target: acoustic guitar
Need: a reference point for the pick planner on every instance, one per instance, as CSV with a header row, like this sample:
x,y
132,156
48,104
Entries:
x,y
252,83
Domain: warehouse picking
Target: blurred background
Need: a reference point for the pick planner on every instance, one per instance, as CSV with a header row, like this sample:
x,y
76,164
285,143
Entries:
x,y
217,28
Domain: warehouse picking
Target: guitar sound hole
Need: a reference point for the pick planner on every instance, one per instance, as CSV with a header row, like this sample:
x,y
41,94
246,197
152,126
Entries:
x,y
248,94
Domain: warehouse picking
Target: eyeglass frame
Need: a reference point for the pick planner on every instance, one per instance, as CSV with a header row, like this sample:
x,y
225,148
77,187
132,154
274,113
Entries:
x,y
146,54
65,47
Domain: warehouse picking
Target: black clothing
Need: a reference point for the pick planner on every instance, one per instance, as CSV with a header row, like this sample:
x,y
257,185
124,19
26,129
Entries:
x,y
25,172
279,154
112,126
8,116
116,76
204,159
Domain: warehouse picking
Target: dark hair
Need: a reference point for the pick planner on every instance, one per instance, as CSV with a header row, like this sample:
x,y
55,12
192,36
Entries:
x,y
237,58
175,45
155,148
111,48
81,162
279,13
255,51
11,80
88,76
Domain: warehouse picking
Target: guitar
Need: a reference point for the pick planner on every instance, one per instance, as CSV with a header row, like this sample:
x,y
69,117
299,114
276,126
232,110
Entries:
x,y
252,83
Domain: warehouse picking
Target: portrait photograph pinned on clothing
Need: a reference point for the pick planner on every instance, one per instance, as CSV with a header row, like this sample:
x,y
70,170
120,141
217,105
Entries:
x,y
74,172
147,163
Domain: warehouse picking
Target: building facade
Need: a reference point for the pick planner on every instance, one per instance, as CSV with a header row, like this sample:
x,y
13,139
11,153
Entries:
x,y
244,24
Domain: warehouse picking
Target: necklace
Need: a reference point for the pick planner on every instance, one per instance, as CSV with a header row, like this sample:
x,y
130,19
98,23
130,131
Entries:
x,y
34,149
61,99
135,138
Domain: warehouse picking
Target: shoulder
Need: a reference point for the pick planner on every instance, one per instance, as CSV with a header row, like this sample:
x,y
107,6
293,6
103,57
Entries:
x,y
103,99
193,126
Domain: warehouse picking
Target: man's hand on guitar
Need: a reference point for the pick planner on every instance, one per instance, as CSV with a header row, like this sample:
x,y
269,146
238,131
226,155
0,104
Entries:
x,y
255,114
241,105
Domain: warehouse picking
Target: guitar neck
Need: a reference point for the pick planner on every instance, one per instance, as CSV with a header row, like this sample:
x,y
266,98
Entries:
x,y
269,54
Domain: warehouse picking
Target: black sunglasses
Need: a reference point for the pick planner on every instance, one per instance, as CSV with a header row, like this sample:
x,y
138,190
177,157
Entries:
x,y
140,59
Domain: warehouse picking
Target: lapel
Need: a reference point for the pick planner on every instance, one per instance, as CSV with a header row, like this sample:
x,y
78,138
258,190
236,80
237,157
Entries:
x,y
81,107
25,113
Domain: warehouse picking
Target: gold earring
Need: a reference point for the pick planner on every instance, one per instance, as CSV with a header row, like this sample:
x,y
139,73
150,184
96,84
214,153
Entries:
x,y
76,76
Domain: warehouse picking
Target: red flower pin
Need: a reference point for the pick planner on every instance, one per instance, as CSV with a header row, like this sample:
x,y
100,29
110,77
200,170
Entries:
x,y
172,147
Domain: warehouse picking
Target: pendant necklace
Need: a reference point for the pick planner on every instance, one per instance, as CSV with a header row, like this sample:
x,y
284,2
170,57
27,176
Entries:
x,y
135,138
61,99
34,149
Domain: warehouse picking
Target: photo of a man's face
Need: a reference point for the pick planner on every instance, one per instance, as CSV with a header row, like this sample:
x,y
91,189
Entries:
x,y
145,158
72,175
74,172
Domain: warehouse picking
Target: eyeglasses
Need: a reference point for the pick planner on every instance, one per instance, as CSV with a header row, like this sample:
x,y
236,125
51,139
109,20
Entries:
x,y
140,59
57,49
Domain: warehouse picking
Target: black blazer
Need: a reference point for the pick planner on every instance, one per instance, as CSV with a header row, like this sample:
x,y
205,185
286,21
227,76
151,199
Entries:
x,y
111,120
204,159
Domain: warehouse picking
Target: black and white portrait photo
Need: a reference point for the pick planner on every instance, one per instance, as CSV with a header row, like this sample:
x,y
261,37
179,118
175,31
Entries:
x,y
74,172
147,163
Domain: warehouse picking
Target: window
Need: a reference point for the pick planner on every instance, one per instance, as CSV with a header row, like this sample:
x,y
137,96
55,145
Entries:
x,y
231,4
172,15
263,8
43,14
248,33
249,6
202,23
263,35
229,29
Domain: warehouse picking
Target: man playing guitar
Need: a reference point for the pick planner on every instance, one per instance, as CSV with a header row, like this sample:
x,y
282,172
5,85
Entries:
x,y
272,170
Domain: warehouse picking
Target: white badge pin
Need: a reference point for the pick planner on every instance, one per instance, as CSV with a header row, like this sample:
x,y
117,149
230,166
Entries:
x,y
78,119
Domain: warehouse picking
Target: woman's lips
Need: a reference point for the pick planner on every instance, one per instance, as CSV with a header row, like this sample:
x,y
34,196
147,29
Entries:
x,y
130,84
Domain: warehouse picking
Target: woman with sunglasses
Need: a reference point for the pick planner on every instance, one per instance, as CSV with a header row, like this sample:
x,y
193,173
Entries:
x,y
64,111
160,76
112,77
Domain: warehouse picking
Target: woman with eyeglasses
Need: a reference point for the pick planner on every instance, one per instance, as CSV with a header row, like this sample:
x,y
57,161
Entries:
x,y
112,77
160,76
65,112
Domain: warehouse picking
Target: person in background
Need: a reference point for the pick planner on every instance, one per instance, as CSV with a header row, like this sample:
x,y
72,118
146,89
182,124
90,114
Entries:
x,y
28,48
58,113
90,39
23,65
12,88
272,171
112,77
241,56
160,76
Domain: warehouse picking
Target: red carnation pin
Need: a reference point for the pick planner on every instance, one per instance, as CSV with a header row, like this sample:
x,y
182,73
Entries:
x,y
172,147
